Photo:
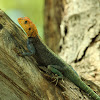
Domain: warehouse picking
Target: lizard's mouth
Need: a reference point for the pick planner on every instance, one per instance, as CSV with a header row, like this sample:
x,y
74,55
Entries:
x,y
30,35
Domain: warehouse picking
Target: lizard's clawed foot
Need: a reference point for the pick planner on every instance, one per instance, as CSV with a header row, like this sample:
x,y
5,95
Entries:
x,y
18,53
56,78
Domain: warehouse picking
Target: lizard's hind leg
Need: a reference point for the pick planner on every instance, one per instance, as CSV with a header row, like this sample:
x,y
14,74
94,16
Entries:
x,y
54,70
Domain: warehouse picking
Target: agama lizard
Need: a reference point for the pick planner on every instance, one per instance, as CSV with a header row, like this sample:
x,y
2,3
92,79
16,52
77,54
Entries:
x,y
46,57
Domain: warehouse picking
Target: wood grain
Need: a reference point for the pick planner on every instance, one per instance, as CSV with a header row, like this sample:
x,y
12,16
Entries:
x,y
20,78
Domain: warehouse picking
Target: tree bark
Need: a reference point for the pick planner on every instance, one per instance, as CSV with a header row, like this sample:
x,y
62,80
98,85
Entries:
x,y
20,77
80,43
79,36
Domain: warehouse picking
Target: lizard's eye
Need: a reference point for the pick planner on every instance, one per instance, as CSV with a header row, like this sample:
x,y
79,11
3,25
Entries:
x,y
25,22
29,29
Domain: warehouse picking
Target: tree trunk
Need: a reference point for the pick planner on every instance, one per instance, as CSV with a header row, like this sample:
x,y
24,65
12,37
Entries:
x,y
81,40
79,36
52,21
20,77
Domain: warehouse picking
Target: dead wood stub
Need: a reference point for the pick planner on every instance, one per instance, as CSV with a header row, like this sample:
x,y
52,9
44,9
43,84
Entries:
x,y
19,76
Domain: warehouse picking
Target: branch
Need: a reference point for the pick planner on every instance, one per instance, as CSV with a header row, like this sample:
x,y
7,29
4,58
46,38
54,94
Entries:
x,y
20,77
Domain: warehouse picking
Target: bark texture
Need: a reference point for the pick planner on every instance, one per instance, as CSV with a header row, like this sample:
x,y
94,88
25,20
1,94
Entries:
x,y
20,77
80,37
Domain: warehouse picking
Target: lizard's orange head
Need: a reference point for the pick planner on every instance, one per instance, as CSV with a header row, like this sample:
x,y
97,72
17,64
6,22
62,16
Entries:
x,y
28,26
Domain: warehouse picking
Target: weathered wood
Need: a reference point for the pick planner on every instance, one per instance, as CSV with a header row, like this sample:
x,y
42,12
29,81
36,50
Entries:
x,y
20,78
81,42
80,35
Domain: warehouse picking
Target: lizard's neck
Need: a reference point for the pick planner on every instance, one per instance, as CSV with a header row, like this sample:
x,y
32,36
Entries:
x,y
36,40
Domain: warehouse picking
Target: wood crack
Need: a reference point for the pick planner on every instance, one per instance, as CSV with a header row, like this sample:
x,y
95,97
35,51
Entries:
x,y
13,83
84,52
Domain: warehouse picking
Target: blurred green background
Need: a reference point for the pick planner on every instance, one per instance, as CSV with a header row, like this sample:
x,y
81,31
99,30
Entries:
x,y
20,8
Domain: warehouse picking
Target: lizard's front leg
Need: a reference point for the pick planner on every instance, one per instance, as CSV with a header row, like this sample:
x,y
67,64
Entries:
x,y
30,47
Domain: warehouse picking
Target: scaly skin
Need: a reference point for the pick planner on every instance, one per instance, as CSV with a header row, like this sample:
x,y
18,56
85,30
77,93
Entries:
x,y
45,57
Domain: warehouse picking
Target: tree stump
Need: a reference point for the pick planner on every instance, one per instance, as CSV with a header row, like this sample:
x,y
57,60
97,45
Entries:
x,y
20,77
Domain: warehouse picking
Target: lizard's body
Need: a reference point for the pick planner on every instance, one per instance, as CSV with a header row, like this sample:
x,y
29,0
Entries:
x,y
45,57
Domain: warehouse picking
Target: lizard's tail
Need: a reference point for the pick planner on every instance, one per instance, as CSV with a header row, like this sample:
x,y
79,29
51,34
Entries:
x,y
78,82
87,89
